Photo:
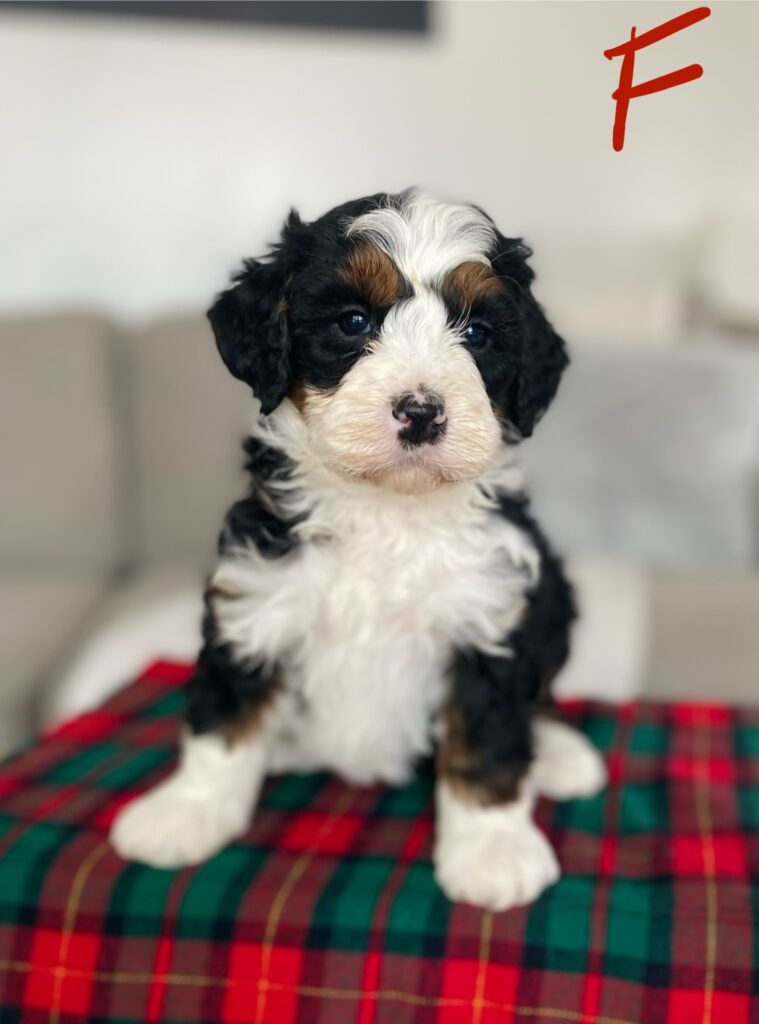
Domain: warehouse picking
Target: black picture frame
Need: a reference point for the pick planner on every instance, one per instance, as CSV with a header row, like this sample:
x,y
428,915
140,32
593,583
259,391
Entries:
x,y
403,16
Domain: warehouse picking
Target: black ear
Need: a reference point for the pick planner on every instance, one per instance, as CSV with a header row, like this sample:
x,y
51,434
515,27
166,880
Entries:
x,y
250,325
544,359
250,319
543,356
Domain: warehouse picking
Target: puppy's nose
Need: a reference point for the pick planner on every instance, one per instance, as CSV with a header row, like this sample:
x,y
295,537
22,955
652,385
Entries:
x,y
422,420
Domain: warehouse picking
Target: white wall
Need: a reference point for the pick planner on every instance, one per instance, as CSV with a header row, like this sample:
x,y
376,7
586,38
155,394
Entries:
x,y
140,160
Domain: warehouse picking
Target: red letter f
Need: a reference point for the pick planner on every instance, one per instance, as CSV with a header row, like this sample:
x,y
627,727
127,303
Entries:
x,y
627,51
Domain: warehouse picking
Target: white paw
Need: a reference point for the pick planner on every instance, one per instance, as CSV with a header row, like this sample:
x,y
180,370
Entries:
x,y
496,869
493,856
190,816
566,765
170,828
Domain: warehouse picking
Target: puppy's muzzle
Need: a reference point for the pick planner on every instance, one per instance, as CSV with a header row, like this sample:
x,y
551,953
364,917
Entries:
x,y
422,419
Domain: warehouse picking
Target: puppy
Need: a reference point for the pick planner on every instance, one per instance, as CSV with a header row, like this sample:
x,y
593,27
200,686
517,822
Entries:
x,y
382,591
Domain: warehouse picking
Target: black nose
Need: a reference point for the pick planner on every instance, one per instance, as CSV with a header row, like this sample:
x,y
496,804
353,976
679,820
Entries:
x,y
422,421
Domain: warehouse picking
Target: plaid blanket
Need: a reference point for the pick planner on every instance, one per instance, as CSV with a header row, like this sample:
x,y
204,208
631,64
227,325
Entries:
x,y
327,910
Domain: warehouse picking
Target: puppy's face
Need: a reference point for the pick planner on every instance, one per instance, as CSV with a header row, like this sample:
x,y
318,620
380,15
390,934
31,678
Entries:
x,y
404,331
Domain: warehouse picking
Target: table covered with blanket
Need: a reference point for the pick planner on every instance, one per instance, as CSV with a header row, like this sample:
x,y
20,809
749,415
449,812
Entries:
x,y
327,909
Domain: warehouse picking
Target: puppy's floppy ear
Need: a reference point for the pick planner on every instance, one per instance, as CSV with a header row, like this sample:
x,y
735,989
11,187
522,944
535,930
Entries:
x,y
543,355
544,359
249,322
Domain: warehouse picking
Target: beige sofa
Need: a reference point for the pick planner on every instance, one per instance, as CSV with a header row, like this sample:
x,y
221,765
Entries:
x,y
119,454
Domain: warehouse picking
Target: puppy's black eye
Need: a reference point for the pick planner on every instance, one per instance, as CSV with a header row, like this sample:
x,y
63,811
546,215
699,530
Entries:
x,y
354,323
477,335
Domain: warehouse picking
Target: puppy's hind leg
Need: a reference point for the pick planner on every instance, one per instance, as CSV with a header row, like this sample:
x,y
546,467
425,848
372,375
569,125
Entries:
x,y
566,765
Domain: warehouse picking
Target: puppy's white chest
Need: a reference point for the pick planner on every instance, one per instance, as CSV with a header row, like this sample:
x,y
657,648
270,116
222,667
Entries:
x,y
390,602
364,624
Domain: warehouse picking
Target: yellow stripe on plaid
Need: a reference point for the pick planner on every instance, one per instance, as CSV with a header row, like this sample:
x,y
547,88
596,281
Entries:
x,y
486,934
69,920
322,992
340,807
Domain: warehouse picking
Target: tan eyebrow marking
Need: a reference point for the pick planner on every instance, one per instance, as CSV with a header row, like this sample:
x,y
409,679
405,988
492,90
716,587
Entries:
x,y
472,281
372,273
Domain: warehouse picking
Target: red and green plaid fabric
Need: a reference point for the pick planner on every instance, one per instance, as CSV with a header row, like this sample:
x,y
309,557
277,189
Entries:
x,y
327,910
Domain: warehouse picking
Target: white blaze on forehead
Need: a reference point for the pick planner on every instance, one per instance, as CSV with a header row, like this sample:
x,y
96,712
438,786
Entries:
x,y
427,239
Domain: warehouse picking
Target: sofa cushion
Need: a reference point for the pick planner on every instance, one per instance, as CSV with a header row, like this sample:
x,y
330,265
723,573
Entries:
x,y
653,454
59,502
189,418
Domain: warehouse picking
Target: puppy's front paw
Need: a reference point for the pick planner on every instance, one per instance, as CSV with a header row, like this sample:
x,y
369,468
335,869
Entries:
x,y
567,766
495,868
169,827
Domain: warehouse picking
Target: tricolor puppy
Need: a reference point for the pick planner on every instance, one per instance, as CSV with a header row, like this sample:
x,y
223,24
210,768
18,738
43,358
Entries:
x,y
382,592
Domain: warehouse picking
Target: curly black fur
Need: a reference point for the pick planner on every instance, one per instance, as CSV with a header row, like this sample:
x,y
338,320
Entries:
x,y
258,519
494,699
222,690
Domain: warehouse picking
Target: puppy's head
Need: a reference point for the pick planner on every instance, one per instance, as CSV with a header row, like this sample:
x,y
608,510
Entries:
x,y
404,331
